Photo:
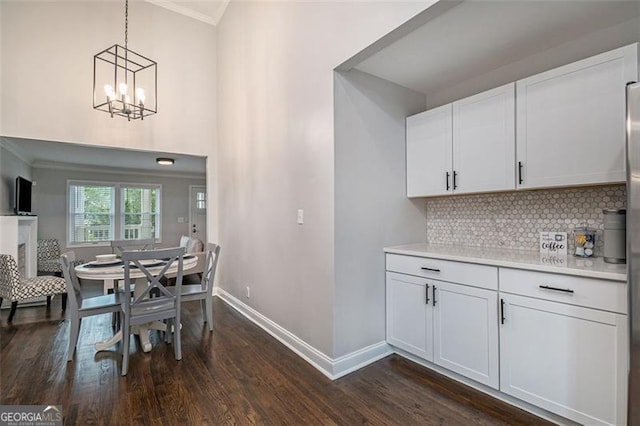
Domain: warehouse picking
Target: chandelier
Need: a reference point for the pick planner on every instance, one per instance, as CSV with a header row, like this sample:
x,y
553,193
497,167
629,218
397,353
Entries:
x,y
125,82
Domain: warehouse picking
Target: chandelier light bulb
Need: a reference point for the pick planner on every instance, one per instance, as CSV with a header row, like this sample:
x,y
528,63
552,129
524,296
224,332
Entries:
x,y
140,96
123,88
108,91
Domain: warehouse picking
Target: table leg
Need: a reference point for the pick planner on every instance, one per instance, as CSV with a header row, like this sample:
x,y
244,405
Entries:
x,y
108,285
101,346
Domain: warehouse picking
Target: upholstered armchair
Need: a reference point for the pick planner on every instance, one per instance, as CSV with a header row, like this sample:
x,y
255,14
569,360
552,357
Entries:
x,y
17,289
49,257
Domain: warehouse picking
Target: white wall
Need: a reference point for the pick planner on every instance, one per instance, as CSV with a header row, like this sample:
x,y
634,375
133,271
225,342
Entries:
x,y
47,71
50,203
371,208
11,166
275,94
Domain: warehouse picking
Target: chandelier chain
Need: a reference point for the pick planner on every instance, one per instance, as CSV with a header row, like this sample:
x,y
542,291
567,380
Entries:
x,y
126,24
126,40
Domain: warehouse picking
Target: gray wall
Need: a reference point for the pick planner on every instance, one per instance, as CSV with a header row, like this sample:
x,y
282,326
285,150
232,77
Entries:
x,y
371,208
275,152
50,198
11,167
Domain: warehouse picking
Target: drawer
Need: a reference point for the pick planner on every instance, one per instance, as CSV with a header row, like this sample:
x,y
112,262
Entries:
x,y
589,292
445,270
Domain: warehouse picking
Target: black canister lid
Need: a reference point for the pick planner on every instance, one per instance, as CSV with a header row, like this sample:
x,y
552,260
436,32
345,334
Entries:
x,y
614,211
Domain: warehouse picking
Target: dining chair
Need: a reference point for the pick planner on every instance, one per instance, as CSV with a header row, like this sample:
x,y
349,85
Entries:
x,y
16,288
139,308
204,290
81,307
118,246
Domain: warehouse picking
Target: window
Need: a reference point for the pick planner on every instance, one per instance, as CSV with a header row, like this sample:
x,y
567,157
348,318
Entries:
x,y
140,216
92,212
201,200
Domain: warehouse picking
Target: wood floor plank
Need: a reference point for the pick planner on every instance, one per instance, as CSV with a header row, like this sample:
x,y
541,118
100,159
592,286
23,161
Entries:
x,y
236,374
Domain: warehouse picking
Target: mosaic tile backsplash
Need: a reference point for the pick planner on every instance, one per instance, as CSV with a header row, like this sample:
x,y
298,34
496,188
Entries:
x,y
514,220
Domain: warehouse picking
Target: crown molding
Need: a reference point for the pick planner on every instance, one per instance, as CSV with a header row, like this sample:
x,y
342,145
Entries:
x,y
13,148
182,10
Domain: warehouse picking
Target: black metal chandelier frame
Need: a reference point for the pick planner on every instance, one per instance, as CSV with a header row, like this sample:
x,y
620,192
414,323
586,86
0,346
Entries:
x,y
127,66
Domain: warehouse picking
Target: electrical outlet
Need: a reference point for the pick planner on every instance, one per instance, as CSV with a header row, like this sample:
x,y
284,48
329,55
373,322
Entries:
x,y
300,216
248,292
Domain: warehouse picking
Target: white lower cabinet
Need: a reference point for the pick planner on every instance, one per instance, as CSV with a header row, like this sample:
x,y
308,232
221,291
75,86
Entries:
x,y
409,315
558,342
454,326
465,321
567,359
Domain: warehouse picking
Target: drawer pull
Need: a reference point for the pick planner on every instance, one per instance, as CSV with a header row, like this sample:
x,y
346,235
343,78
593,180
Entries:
x,y
434,295
447,176
424,268
501,311
427,295
564,290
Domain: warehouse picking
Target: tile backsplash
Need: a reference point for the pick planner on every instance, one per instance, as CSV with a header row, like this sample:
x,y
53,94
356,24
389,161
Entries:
x,y
514,220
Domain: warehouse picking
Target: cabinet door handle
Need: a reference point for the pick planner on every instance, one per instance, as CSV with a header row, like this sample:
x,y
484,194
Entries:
x,y
424,268
501,311
564,290
427,295
447,176
520,180
455,185
434,295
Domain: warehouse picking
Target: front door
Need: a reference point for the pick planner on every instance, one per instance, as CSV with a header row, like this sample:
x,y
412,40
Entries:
x,y
198,212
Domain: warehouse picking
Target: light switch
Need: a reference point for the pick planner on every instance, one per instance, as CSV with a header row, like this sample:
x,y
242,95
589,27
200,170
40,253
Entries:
x,y
300,216
181,219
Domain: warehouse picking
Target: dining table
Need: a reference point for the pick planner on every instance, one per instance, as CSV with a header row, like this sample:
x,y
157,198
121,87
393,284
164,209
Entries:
x,y
113,270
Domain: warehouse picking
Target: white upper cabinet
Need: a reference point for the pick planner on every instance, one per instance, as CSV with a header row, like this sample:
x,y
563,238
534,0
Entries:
x,y
484,141
467,146
571,121
429,152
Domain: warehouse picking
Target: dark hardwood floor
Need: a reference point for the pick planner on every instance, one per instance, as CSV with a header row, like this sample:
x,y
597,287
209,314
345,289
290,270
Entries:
x,y
237,374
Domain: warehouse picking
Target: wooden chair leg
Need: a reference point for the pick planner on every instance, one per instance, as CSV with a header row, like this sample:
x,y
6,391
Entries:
x,y
48,301
12,312
209,311
126,337
64,301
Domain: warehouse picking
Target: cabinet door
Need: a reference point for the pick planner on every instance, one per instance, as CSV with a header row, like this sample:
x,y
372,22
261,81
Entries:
x,y
466,331
409,324
484,146
429,152
571,121
566,359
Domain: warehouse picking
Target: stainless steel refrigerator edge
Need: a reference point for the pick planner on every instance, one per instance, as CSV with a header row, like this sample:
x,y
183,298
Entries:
x,y
633,248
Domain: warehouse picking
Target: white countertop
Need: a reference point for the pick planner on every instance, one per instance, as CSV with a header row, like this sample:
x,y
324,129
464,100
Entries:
x,y
593,267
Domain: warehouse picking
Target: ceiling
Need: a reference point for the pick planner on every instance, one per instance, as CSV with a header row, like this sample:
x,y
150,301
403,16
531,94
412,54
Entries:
x,y
473,38
47,154
209,11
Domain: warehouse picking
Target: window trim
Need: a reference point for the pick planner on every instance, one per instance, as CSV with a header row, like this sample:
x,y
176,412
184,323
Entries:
x,y
118,213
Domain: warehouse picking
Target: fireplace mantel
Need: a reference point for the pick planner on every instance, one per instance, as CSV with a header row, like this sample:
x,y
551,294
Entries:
x,y
17,230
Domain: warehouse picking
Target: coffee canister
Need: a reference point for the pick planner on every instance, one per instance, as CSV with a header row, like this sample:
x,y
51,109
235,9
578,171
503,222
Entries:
x,y
585,241
615,235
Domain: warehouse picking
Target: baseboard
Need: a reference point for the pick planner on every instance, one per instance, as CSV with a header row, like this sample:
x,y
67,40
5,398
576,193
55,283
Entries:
x,y
333,368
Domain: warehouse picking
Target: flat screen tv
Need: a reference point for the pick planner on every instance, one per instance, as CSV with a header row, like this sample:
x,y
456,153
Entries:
x,y
23,196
